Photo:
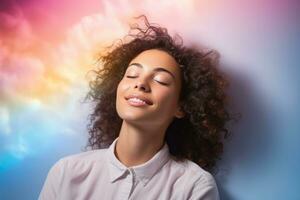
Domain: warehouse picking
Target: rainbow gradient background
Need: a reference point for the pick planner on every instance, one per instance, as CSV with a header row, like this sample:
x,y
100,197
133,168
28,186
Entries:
x,y
47,48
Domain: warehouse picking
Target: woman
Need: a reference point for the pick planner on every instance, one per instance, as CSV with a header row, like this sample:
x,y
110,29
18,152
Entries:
x,y
156,130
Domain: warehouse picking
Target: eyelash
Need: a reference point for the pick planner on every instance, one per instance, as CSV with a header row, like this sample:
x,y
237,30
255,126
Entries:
x,y
162,83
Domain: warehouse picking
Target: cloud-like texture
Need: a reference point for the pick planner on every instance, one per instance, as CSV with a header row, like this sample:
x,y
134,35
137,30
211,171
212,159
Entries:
x,y
43,81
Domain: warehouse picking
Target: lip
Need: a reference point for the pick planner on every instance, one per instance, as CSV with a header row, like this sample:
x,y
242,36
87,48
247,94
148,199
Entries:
x,y
143,98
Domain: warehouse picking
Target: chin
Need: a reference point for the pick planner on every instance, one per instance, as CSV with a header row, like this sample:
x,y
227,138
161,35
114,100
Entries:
x,y
132,116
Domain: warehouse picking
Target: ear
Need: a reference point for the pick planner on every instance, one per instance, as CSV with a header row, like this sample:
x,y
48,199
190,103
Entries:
x,y
179,113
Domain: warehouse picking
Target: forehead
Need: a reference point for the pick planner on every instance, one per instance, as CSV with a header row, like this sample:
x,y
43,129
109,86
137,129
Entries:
x,y
156,58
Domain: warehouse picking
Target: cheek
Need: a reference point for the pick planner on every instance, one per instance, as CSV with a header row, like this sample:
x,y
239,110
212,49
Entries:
x,y
120,93
168,98
122,87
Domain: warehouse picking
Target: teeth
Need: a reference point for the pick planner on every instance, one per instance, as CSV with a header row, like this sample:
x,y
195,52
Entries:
x,y
136,100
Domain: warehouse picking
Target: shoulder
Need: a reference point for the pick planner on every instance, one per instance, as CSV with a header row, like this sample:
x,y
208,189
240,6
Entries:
x,y
79,161
199,174
192,171
88,156
198,182
69,168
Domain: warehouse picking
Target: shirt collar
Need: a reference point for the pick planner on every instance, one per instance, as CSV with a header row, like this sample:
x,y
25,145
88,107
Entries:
x,y
143,172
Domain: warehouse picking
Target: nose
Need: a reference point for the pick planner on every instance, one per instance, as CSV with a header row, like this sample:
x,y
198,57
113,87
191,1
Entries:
x,y
142,85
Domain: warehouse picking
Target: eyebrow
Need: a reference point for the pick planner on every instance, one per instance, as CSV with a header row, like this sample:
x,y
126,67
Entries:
x,y
158,69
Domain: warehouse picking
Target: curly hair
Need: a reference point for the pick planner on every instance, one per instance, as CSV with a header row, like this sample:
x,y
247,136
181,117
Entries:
x,y
198,136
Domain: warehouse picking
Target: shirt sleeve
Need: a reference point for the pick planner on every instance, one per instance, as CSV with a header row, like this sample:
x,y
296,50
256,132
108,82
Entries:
x,y
52,182
205,188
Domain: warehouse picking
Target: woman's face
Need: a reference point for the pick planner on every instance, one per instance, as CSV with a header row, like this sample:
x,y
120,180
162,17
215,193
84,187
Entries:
x,y
149,92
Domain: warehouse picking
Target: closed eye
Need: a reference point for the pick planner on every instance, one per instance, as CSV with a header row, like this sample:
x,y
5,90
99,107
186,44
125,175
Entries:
x,y
161,82
131,76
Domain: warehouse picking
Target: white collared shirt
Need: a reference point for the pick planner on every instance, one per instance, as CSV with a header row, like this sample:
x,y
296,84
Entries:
x,y
98,174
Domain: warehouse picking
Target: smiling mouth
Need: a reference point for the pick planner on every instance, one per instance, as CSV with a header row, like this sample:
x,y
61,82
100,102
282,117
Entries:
x,y
135,101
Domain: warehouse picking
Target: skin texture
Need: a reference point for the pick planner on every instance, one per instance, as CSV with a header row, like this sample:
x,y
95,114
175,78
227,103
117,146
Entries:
x,y
143,128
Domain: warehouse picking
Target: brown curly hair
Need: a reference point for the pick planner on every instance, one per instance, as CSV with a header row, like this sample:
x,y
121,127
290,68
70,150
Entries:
x,y
198,136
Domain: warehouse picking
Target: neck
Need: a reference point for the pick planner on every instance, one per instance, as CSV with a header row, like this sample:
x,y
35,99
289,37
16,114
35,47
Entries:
x,y
136,145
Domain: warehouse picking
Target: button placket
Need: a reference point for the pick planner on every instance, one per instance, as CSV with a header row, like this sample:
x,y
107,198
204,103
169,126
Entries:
x,y
125,190
132,173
